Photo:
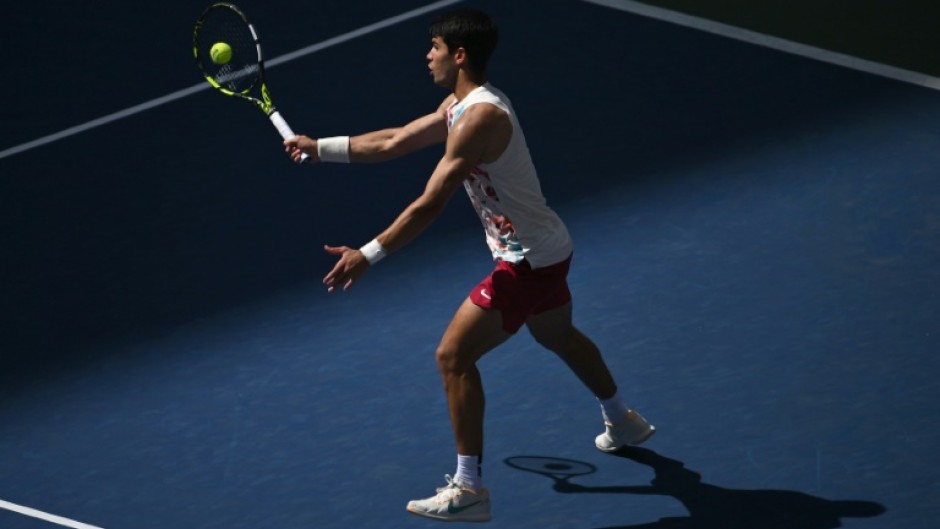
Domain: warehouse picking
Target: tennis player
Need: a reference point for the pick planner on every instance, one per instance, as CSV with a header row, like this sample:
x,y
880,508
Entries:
x,y
485,153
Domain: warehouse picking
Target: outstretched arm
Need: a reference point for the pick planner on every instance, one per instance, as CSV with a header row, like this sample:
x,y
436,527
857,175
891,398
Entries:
x,y
382,145
467,146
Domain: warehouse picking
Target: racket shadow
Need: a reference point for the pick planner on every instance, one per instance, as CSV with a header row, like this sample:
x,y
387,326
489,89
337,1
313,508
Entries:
x,y
709,506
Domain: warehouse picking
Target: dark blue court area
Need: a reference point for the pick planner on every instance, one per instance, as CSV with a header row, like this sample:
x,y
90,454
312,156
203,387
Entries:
x,y
757,246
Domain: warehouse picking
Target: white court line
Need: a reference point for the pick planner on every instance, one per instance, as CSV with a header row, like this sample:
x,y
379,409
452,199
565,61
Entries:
x,y
768,41
45,516
179,94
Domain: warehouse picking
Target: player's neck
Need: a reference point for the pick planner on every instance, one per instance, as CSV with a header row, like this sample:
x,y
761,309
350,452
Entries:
x,y
467,83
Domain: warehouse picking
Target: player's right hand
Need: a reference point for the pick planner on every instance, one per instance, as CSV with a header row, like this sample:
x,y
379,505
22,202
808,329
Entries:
x,y
299,145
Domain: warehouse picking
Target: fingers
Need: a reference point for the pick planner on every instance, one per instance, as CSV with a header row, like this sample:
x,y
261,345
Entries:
x,y
290,147
330,287
338,278
293,152
347,269
336,275
296,147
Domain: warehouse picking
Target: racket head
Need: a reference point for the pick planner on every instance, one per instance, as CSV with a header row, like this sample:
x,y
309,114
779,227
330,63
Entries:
x,y
557,468
244,72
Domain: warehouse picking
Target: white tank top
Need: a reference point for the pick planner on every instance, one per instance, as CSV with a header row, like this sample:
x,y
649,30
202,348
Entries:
x,y
508,197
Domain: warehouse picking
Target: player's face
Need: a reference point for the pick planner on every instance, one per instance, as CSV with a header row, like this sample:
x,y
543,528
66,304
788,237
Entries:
x,y
441,63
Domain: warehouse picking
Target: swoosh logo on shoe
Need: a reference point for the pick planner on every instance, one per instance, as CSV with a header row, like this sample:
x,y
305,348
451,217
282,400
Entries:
x,y
485,295
456,510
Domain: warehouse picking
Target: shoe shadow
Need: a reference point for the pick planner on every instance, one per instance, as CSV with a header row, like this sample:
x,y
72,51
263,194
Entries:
x,y
709,506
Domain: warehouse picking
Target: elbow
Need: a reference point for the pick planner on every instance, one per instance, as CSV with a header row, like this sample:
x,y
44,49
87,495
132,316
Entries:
x,y
393,148
428,208
400,142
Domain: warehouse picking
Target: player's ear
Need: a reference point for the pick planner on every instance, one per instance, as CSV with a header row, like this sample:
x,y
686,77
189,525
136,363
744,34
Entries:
x,y
460,56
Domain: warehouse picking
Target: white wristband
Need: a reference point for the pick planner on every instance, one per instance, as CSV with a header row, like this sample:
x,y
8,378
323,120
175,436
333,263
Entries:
x,y
334,149
373,251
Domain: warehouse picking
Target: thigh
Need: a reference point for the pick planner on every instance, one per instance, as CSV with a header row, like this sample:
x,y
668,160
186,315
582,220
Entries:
x,y
552,328
472,332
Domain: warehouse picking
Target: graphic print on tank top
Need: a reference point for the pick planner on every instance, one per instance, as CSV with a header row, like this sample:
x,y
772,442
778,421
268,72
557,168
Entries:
x,y
501,237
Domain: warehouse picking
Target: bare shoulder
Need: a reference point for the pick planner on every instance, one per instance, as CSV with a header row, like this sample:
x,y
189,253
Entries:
x,y
485,116
487,125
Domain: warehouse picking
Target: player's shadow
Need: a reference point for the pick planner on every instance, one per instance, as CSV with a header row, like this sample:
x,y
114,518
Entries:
x,y
709,506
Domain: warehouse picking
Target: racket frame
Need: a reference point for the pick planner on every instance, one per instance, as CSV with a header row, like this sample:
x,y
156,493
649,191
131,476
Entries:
x,y
265,103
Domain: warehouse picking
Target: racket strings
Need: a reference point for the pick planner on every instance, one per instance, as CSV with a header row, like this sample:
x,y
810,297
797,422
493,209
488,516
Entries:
x,y
221,24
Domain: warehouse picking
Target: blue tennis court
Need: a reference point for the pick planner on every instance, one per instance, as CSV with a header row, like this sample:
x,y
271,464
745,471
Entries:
x,y
757,240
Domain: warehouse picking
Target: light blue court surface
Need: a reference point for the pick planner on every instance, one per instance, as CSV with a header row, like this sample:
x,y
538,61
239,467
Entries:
x,y
757,246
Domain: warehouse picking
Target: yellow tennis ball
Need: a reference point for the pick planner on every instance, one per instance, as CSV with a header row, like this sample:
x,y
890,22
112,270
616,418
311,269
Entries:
x,y
221,53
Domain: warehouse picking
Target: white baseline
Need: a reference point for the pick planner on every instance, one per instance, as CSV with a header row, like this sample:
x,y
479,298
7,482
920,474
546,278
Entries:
x,y
179,94
768,41
45,516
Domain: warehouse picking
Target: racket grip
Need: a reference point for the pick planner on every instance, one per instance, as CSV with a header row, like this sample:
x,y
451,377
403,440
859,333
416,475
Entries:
x,y
285,130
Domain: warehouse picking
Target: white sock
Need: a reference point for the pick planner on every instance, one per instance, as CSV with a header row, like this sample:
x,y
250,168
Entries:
x,y
613,409
470,471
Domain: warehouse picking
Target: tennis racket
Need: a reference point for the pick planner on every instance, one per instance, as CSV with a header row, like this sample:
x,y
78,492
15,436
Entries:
x,y
241,74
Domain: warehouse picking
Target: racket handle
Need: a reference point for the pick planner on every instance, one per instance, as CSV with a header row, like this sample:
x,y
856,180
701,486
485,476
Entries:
x,y
285,130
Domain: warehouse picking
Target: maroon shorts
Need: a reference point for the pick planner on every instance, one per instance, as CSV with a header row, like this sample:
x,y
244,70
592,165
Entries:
x,y
518,291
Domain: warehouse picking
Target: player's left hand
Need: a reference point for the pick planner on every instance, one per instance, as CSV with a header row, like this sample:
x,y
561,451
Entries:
x,y
350,267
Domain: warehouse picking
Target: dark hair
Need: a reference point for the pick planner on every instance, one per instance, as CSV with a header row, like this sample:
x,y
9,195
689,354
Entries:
x,y
470,29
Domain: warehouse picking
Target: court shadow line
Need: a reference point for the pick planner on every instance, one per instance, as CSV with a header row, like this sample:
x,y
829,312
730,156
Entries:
x,y
711,506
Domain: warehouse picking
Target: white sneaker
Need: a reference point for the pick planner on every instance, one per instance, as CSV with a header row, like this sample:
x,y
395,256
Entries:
x,y
454,503
634,430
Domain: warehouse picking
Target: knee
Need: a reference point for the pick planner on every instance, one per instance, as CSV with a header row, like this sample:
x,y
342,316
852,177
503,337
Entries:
x,y
449,361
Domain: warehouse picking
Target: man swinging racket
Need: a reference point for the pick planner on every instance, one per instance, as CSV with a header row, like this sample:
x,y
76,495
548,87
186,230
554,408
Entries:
x,y
486,153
